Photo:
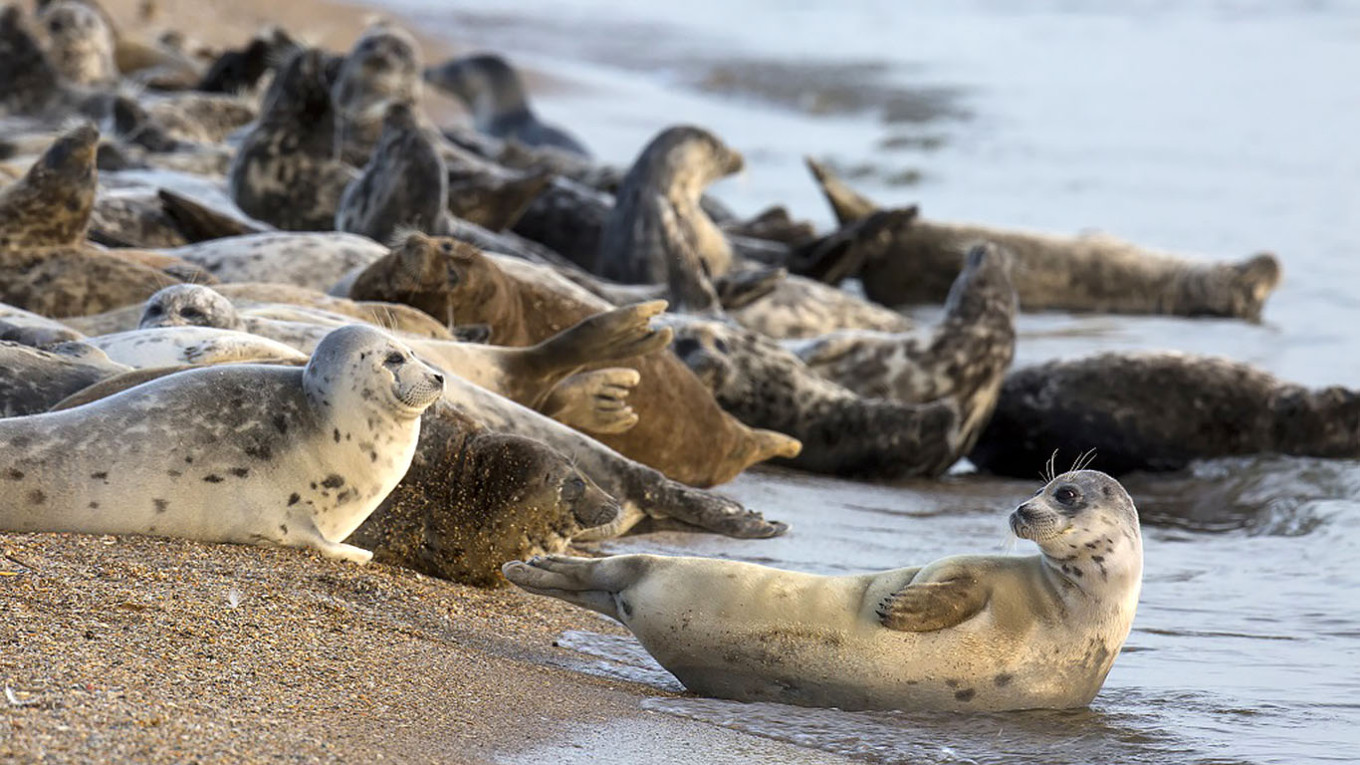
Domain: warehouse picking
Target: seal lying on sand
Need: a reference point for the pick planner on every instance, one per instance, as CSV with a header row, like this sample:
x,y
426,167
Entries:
x,y
666,182
382,67
842,433
967,633
404,185
964,358
242,453
491,89
681,430
285,172
474,499
1082,273
1160,411
32,380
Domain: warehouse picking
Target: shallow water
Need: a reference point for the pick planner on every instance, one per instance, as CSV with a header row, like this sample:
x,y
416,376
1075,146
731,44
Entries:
x,y
1222,128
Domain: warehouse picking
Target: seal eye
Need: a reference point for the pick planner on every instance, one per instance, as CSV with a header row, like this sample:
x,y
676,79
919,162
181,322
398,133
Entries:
x,y
1066,495
572,489
446,248
153,310
395,359
720,346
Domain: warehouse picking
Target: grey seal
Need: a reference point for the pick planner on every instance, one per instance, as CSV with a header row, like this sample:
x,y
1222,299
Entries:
x,y
404,186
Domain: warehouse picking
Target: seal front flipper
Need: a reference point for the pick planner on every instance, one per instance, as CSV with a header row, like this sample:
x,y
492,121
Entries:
x,y
595,401
930,606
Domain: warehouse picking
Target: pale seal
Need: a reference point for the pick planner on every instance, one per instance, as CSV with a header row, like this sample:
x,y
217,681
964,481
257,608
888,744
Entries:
x,y
1161,411
240,453
79,43
966,633
381,68
314,260
664,185
964,358
172,346
285,172
491,89
405,184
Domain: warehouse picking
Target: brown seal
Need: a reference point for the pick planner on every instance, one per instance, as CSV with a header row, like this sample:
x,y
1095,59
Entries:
x,y
474,499
681,430
1068,273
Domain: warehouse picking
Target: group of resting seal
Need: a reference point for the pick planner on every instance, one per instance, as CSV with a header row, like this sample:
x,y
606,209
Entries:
x,y
278,305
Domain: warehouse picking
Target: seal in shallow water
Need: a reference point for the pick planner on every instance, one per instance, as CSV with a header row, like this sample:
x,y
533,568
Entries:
x,y
491,88
967,633
1160,411
239,453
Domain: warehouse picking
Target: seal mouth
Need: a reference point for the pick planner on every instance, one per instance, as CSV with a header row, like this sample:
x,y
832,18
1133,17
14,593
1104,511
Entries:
x,y
1026,523
422,395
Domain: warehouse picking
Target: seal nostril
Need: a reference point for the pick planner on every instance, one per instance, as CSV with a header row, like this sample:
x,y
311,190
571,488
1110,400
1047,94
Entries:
x,y
438,379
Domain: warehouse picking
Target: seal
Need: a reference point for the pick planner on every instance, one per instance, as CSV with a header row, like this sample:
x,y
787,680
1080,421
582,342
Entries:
x,y
1093,272
1159,412
491,89
314,260
681,430
474,499
405,184
666,181
964,358
79,43
285,172
383,67
33,86
50,205
240,453
32,380
172,346
842,433
965,633
237,71
799,307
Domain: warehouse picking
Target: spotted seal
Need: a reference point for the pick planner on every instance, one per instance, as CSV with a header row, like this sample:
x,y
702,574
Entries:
x,y
681,430
285,172
240,453
964,358
312,260
965,633
172,346
33,379
1093,272
80,44
665,182
1160,411
382,67
405,184
491,89
474,499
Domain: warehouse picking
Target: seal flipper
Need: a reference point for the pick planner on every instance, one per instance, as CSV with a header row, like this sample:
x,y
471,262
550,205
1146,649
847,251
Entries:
x,y
738,289
848,204
930,606
575,580
595,401
607,337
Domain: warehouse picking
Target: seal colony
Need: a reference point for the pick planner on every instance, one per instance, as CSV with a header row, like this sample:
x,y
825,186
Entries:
x,y
306,315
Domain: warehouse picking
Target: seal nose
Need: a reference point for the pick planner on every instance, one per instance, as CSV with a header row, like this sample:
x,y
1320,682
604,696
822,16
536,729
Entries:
x,y
439,379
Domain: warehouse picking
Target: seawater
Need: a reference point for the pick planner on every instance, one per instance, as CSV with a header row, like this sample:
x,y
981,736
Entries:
x,y
1218,128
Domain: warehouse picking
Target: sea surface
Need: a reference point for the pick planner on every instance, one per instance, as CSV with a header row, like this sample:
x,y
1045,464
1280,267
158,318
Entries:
x,y
1215,128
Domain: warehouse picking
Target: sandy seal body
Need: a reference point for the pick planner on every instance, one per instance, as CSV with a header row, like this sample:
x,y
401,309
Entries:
x,y
242,453
968,633
1160,411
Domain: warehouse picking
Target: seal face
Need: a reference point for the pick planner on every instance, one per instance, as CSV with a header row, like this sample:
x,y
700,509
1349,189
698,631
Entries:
x,y
976,632
80,43
244,453
382,68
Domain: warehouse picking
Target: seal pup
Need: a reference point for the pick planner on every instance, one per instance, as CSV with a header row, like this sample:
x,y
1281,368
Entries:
x,y
474,499
842,433
1161,411
173,346
965,633
32,380
681,429
491,89
79,43
964,358
1093,272
666,181
244,453
382,67
405,184
285,172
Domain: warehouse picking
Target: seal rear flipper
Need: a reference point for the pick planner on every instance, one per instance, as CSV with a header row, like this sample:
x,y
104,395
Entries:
x,y
848,204
199,223
565,578
930,606
738,289
842,253
607,337
594,402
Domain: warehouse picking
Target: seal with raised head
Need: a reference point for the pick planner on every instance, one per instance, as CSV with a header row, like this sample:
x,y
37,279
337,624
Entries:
x,y
1161,411
491,89
681,430
965,633
237,453
474,499
665,183
286,173
405,184
382,68
79,43
963,358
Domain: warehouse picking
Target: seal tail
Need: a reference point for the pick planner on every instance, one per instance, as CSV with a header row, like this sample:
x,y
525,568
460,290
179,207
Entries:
x,y
580,581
